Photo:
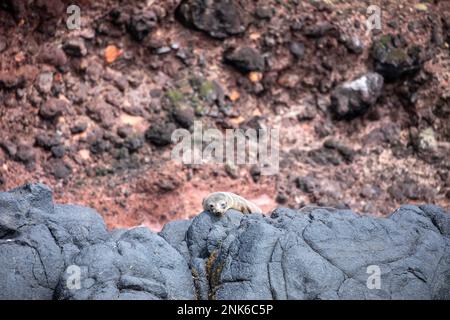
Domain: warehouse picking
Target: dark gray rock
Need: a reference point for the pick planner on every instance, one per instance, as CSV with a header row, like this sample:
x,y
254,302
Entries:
x,y
264,12
184,115
52,108
52,251
245,59
319,253
320,30
26,154
52,55
203,238
30,259
141,23
297,49
306,184
134,143
58,151
58,168
47,141
43,246
75,47
352,42
135,263
175,234
160,134
355,97
394,59
219,19
78,127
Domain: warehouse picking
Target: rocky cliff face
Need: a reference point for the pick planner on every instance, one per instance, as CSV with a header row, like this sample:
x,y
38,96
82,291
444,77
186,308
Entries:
x,y
363,111
50,251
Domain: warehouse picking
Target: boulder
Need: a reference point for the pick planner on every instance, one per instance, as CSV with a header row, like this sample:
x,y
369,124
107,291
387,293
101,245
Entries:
x,y
75,47
52,55
355,97
52,108
394,59
51,251
322,253
219,19
160,134
245,59
141,23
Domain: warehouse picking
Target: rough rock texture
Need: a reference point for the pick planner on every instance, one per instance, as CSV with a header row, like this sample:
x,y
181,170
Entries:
x,y
393,58
320,253
90,111
353,98
245,59
313,253
141,23
40,243
220,18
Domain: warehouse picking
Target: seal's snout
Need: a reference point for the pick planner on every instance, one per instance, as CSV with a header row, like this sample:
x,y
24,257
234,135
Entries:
x,y
216,211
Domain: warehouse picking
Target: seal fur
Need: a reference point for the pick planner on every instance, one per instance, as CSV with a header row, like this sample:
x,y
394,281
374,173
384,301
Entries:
x,y
219,202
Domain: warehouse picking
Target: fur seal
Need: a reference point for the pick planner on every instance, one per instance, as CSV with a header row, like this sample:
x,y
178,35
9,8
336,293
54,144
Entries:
x,y
219,202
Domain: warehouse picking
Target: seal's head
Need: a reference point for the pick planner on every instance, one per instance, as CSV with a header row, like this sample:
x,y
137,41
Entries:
x,y
216,203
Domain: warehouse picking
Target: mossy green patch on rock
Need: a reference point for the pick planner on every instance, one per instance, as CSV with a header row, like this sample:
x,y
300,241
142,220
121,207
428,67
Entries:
x,y
206,88
397,55
394,58
175,96
102,171
197,105
385,40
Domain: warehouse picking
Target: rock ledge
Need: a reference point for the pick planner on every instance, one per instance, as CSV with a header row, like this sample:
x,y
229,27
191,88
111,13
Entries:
x,y
51,251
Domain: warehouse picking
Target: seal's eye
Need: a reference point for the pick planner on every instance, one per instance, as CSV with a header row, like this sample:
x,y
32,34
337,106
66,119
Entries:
x,y
211,206
223,205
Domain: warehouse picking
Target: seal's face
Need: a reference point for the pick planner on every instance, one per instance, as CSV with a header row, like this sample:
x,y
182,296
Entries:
x,y
216,205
